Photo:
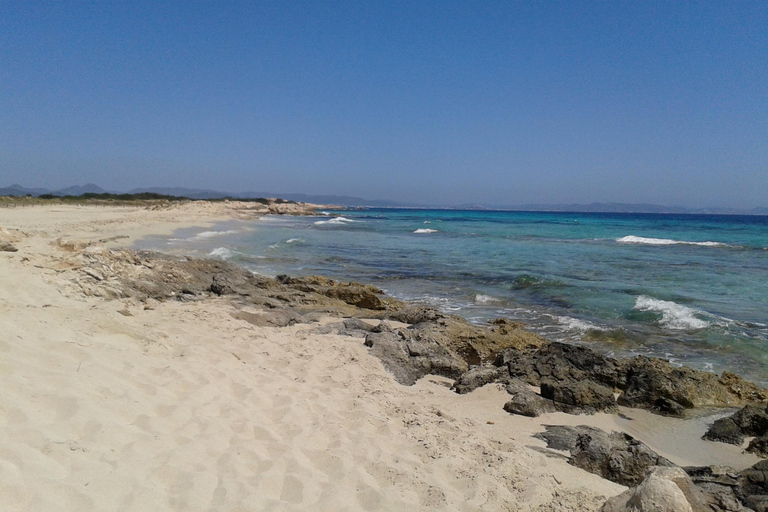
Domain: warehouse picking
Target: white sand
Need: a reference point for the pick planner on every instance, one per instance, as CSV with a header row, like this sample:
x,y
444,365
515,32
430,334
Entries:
x,y
107,405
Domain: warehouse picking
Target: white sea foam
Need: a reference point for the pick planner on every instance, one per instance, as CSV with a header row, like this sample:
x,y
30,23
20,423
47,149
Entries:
x,y
484,299
673,315
578,325
423,231
294,240
630,239
221,252
335,220
211,234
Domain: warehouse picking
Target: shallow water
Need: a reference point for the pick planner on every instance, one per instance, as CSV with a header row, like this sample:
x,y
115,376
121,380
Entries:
x,y
690,288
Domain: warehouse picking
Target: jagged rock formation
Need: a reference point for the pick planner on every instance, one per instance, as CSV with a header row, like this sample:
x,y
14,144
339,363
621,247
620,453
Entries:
x,y
578,379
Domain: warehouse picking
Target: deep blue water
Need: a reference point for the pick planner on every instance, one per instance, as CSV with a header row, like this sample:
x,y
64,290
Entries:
x,y
690,288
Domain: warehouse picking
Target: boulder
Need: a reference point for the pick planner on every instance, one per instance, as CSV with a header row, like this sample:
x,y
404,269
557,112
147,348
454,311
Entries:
x,y
725,430
579,396
476,377
527,403
663,489
617,456
557,361
750,421
7,247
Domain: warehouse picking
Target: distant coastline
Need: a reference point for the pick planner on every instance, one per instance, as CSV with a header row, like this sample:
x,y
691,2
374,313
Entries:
x,y
350,201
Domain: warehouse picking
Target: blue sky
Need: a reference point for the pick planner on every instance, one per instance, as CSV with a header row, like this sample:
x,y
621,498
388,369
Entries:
x,y
431,102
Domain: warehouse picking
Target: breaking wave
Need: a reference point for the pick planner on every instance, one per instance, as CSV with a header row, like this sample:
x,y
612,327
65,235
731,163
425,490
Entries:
x,y
673,315
335,220
211,234
423,231
221,252
630,239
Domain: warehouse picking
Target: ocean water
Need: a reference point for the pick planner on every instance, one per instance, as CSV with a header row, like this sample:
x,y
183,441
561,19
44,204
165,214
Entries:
x,y
689,288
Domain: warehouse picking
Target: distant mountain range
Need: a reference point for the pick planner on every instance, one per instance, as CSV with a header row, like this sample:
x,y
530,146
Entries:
x,y
194,193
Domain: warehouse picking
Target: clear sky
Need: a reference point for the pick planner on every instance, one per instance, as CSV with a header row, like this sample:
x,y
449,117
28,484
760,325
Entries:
x,y
431,102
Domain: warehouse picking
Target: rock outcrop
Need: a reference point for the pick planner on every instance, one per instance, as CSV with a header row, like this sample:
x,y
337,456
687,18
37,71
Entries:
x,y
617,456
751,421
579,379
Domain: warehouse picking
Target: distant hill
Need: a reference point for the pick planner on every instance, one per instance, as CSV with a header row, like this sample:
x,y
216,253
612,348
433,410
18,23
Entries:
x,y
196,193
18,190
77,190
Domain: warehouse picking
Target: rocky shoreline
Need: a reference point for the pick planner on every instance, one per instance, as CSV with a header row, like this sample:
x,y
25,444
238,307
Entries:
x,y
413,341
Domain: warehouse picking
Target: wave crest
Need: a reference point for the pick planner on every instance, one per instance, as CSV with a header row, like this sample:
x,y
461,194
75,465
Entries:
x,y
335,220
423,231
673,315
631,239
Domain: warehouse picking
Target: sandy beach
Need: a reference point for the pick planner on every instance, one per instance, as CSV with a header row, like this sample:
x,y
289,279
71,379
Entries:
x,y
117,404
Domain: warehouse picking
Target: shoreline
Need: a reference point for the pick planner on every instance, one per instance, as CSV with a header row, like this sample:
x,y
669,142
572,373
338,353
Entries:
x,y
335,429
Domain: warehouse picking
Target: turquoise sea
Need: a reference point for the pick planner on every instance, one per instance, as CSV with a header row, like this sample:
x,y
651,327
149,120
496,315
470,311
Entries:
x,y
689,288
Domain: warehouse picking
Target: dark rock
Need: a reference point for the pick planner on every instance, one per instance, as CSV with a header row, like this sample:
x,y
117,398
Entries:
x,y
651,380
748,421
527,403
382,327
754,480
563,437
617,457
720,486
7,247
725,430
476,377
646,383
557,361
408,360
759,446
667,407
758,503
752,420
579,396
